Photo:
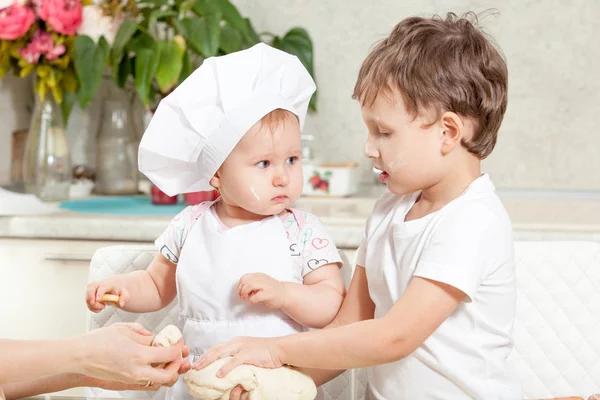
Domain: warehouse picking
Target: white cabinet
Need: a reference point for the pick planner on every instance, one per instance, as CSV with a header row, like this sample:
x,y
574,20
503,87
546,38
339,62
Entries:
x,y
42,287
43,282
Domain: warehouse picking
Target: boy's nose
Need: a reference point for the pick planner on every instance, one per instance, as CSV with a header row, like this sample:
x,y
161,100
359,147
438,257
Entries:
x,y
370,150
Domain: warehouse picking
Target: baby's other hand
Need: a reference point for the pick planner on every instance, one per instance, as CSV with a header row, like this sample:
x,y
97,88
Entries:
x,y
97,290
260,288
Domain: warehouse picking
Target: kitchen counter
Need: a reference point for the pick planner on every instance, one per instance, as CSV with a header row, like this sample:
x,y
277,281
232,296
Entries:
x,y
534,217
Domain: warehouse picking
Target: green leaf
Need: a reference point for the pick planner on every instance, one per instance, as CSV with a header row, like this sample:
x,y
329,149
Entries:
x,y
67,105
298,42
169,65
252,37
125,33
121,73
146,61
202,8
157,3
186,69
202,34
90,60
227,11
231,40
141,42
158,15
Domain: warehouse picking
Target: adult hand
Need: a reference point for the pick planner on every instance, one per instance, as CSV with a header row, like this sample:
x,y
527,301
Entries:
x,y
123,353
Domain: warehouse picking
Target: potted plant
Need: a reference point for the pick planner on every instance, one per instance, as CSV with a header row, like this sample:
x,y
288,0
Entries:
x,y
161,42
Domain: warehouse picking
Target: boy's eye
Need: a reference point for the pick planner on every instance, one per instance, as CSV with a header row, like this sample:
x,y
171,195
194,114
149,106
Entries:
x,y
292,160
262,164
384,134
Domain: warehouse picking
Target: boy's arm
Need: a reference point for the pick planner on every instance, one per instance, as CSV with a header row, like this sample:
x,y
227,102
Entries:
x,y
357,306
316,302
424,306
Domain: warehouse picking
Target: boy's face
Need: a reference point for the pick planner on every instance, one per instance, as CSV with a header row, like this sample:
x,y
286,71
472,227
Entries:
x,y
263,174
407,149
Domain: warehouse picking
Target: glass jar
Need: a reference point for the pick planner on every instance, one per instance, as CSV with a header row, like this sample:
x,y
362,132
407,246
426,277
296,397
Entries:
x,y
46,161
116,157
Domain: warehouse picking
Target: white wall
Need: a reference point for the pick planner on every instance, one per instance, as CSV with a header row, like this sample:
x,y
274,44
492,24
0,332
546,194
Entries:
x,y
549,138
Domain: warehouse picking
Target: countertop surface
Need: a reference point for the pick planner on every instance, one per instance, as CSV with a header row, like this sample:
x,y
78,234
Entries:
x,y
534,215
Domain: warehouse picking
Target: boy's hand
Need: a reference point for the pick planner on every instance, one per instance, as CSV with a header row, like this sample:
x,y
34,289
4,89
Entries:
x,y
257,288
96,290
262,352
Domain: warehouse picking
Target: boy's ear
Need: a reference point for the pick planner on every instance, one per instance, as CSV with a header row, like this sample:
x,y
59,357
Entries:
x,y
452,131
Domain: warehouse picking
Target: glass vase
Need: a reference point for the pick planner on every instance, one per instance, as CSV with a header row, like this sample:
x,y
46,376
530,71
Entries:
x,y
46,160
116,157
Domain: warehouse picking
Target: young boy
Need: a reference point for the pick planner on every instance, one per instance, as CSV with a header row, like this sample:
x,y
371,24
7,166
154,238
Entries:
x,y
434,288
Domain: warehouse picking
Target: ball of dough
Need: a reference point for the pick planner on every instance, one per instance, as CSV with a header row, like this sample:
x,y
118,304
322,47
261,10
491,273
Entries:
x,y
283,383
167,337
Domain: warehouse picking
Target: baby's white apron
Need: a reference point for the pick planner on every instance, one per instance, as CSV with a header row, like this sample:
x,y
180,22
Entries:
x,y
211,264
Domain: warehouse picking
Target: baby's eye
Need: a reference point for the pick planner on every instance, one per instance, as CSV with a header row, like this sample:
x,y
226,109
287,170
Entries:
x,y
262,164
384,134
292,160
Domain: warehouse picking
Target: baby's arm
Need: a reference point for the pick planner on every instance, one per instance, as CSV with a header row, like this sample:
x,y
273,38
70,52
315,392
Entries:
x,y
316,302
154,288
313,304
142,291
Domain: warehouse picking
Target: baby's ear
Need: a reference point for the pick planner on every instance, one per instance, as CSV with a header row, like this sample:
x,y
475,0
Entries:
x,y
215,181
452,131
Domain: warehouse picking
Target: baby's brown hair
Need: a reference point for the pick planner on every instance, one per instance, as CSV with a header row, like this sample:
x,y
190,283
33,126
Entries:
x,y
444,64
276,117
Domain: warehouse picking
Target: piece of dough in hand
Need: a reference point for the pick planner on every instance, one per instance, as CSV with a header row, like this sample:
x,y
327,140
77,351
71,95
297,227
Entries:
x,y
283,383
167,337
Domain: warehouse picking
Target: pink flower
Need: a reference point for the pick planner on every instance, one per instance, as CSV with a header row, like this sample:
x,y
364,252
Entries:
x,y
42,44
15,21
56,52
30,53
63,16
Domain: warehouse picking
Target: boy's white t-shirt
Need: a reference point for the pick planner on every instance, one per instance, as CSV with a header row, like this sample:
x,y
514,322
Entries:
x,y
467,244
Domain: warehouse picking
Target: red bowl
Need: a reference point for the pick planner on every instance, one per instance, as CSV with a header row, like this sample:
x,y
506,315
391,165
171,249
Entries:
x,y
160,198
200,197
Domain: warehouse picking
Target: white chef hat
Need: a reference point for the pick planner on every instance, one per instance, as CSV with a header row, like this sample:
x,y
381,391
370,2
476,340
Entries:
x,y
196,126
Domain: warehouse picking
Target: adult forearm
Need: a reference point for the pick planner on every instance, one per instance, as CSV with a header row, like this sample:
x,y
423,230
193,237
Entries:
x,y
48,384
314,305
25,359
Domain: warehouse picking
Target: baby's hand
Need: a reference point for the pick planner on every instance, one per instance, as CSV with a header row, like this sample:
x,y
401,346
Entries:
x,y
96,299
257,288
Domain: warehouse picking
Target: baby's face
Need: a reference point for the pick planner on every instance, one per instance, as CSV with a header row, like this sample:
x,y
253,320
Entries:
x,y
263,174
406,148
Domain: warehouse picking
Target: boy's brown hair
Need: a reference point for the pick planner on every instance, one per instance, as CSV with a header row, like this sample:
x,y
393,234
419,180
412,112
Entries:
x,y
444,64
